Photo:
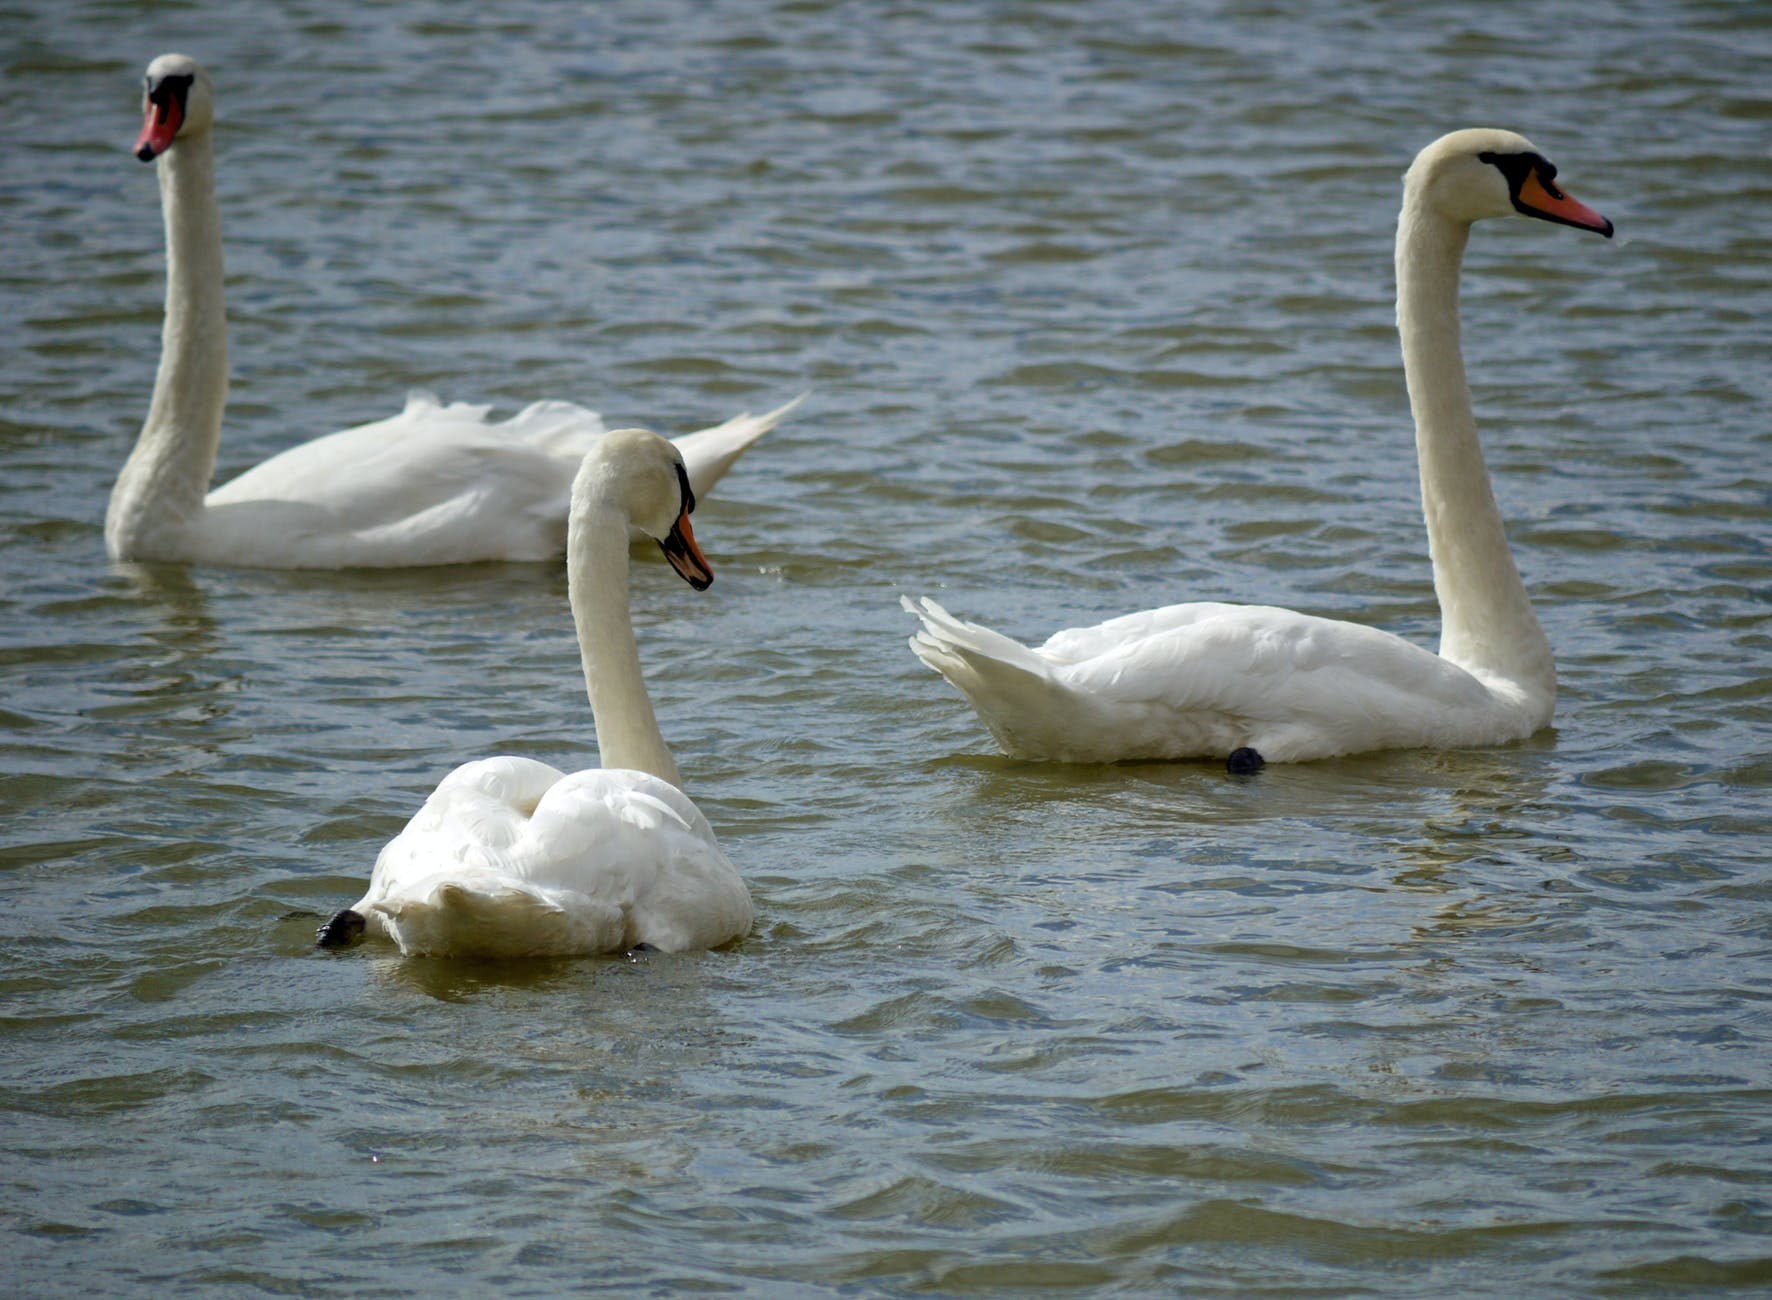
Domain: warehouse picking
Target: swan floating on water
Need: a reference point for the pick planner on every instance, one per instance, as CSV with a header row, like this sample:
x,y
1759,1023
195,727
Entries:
x,y
510,857
435,484
1253,683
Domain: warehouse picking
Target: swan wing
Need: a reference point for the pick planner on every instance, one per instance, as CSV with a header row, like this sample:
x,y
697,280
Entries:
x,y
632,841
435,484
1289,685
1200,680
447,886
1082,644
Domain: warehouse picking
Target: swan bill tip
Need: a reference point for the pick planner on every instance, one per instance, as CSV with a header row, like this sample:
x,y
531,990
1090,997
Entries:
x,y
345,927
1244,761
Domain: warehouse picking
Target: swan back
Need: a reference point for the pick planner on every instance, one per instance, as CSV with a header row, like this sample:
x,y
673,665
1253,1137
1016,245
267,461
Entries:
x,y
511,858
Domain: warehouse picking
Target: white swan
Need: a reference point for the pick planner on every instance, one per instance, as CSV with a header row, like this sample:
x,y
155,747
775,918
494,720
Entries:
x,y
435,484
512,858
1256,683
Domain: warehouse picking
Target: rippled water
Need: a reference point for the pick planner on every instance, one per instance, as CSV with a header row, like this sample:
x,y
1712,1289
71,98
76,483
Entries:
x,y
1094,303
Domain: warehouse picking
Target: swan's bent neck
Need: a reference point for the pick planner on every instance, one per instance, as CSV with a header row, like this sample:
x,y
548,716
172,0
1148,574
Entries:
x,y
597,578
161,489
1487,623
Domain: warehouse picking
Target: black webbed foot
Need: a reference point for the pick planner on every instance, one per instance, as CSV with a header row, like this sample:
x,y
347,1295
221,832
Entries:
x,y
1244,762
344,928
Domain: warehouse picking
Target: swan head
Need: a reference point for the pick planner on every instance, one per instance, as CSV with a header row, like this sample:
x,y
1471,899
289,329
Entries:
x,y
177,100
641,475
1469,175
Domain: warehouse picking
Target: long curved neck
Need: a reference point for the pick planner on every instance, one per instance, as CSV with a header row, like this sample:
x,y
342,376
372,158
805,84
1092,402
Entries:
x,y
161,487
597,578
1487,623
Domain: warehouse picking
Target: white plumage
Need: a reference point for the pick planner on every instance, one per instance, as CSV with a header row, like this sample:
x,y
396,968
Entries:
x,y
1209,679
510,857
1256,683
435,484
513,858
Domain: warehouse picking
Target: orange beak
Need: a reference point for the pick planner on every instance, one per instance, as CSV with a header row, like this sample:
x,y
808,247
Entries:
x,y
1539,199
685,556
159,124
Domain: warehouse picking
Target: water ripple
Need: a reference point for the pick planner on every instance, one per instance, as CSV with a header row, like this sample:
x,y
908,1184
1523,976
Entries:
x,y
1095,308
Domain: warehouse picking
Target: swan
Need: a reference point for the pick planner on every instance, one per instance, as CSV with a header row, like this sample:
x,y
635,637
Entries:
x,y
1255,683
510,857
435,484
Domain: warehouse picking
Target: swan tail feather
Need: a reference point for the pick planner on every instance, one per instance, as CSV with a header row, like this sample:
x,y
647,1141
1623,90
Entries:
x,y
945,642
709,453
422,403
1015,692
459,920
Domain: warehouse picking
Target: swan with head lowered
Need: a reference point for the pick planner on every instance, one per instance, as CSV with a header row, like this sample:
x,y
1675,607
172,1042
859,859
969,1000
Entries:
x,y
435,484
1253,683
510,857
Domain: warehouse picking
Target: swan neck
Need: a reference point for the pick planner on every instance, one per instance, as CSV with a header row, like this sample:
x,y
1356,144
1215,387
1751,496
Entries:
x,y
162,486
597,577
1487,623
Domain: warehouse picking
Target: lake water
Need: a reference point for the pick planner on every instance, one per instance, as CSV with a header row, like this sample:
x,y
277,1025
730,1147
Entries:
x,y
1094,301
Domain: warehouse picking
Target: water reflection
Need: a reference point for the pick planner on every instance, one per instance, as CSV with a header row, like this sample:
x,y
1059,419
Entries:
x,y
449,980
171,671
169,590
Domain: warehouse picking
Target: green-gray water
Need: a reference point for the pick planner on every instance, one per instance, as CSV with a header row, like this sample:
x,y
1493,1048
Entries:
x,y
1095,303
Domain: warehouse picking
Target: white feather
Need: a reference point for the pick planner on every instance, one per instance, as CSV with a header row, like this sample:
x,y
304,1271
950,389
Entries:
x,y
435,484
510,857
1206,679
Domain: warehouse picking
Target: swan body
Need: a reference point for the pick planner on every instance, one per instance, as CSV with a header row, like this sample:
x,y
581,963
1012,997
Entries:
x,y
1209,679
1255,683
499,863
510,857
435,484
